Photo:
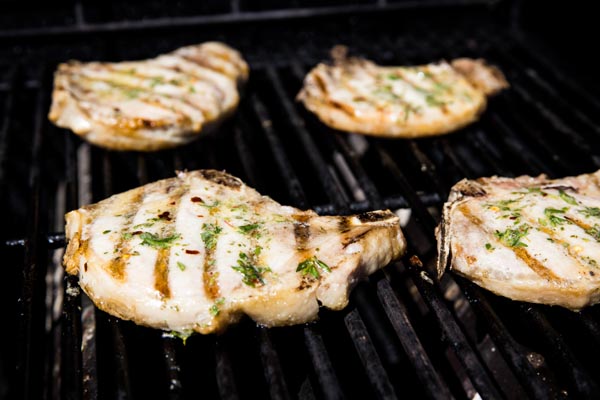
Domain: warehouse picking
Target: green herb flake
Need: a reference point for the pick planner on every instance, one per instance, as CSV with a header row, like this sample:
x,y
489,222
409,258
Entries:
x,y
512,237
550,213
252,273
156,81
594,232
590,212
489,247
127,236
181,265
566,197
214,309
432,101
192,89
393,77
311,266
209,235
181,335
153,240
132,93
250,228
106,231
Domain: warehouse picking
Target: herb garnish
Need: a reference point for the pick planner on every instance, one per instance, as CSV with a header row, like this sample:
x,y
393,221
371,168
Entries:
x,y
106,231
209,235
311,266
153,240
590,212
431,100
214,309
568,198
249,228
181,335
489,247
550,213
512,237
181,265
253,274
594,232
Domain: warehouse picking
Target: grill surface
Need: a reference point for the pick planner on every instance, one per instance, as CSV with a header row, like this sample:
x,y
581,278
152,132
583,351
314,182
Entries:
x,y
401,334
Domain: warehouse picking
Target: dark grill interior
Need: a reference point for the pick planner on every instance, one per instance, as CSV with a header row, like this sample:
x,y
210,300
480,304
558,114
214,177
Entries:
x,y
402,334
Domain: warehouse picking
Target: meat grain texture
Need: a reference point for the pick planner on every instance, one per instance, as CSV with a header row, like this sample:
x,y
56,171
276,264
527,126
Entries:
x,y
149,105
359,96
198,251
529,238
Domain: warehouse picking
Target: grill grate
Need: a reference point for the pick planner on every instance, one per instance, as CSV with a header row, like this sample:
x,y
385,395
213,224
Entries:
x,y
401,333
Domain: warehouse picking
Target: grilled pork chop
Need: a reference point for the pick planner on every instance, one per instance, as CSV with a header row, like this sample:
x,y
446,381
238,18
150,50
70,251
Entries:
x,y
196,252
357,95
152,104
529,239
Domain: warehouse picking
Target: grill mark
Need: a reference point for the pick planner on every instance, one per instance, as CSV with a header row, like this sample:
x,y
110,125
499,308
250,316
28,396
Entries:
x,y
119,266
161,273
301,231
220,178
161,266
579,223
80,99
146,93
220,92
520,252
203,61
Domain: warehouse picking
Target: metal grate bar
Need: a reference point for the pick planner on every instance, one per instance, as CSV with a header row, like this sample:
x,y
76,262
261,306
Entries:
x,y
536,385
272,367
321,363
5,118
294,187
230,18
328,181
226,382
445,319
413,348
30,357
377,375
579,378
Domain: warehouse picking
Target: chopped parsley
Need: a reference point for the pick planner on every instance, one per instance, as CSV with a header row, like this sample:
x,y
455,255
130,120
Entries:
x,y
153,240
566,197
503,205
156,81
590,212
132,93
249,228
594,232
252,273
312,266
550,213
214,309
512,237
213,205
106,231
191,89
181,265
489,247
181,335
149,222
209,235
431,100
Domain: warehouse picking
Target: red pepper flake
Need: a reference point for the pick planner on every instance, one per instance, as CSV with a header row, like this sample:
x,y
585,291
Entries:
x,y
197,199
172,203
200,216
192,252
166,215
137,232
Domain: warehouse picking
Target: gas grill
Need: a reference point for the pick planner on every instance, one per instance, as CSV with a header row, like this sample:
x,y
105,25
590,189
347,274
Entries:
x,y
403,334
